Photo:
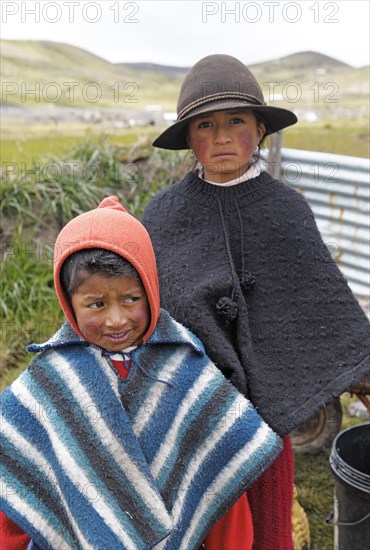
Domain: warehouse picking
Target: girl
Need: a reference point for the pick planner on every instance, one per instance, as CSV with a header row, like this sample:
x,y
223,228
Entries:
x,y
242,264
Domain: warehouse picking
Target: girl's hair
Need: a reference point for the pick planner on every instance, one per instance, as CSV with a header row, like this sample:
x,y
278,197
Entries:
x,y
256,157
80,265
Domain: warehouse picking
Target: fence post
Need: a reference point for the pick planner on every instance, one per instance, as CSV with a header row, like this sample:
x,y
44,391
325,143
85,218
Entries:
x,y
274,154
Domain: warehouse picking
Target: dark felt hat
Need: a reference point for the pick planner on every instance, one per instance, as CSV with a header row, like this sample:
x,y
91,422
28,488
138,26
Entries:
x,y
218,83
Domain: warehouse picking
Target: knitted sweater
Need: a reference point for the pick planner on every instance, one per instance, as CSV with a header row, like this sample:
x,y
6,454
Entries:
x,y
246,269
93,461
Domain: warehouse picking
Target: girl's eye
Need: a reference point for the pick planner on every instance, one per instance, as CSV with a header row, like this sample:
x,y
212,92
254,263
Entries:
x,y
204,124
236,121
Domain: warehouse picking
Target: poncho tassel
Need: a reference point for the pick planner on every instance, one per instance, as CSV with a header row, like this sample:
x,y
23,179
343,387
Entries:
x,y
247,280
227,308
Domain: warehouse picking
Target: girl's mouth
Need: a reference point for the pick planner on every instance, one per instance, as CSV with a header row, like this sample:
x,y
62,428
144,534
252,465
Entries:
x,y
223,154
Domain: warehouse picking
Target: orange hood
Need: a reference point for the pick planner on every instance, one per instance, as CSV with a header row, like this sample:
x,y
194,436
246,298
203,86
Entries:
x,y
111,227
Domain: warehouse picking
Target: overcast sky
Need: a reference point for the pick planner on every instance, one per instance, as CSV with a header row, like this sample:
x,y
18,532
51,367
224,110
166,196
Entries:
x,y
181,32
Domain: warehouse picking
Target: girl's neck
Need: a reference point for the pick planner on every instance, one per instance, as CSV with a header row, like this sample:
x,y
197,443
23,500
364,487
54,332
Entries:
x,y
252,172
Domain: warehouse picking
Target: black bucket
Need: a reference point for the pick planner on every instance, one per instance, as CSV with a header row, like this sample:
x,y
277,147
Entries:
x,y
350,464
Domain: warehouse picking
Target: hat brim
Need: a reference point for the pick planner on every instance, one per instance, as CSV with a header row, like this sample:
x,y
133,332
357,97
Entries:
x,y
175,137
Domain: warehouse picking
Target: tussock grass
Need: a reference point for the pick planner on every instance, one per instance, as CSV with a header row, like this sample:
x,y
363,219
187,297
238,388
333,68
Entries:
x,y
28,306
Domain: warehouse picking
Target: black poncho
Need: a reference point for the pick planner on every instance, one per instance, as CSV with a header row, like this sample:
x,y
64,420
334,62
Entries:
x,y
245,268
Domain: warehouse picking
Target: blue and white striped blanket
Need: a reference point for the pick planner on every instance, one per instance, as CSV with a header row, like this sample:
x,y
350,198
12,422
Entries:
x,y
92,461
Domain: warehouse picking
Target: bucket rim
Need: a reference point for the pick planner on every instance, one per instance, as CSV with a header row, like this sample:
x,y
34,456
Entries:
x,y
347,473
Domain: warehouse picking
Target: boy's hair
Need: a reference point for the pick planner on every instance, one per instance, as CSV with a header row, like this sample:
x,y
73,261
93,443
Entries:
x,y
80,265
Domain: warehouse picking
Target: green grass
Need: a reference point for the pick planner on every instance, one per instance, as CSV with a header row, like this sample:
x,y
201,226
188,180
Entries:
x,y
315,486
28,305
329,137
28,145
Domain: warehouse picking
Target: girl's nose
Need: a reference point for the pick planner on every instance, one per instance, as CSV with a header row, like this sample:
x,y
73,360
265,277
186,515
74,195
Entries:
x,y
222,134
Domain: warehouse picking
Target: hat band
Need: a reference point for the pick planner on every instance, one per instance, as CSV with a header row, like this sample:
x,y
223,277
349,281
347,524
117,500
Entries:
x,y
214,97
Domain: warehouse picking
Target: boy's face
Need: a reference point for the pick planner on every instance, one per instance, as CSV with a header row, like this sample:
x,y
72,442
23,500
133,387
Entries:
x,y
111,312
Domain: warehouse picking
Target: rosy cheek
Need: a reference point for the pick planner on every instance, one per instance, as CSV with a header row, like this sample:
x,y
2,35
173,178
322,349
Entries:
x,y
92,331
201,149
246,143
143,316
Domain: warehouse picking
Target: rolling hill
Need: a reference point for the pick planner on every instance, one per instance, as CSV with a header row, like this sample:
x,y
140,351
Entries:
x,y
41,73
67,76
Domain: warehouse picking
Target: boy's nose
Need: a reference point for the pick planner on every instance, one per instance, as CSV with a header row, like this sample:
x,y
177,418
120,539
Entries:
x,y
115,318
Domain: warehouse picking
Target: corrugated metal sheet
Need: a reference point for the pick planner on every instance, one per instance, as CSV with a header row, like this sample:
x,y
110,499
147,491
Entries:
x,y
337,188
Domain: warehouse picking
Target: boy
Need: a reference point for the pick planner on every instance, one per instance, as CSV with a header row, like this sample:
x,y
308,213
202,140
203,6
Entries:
x,y
122,433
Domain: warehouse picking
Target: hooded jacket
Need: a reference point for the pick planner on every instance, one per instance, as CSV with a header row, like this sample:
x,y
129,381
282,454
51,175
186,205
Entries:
x,y
245,268
111,227
91,460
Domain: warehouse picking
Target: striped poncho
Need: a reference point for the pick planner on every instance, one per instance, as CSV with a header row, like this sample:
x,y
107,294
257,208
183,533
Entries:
x,y
93,461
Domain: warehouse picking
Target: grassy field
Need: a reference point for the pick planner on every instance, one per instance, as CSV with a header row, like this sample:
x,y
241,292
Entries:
x,y
330,137
29,144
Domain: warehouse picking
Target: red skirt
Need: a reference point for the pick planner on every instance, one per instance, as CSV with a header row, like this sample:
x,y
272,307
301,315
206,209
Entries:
x,y
234,531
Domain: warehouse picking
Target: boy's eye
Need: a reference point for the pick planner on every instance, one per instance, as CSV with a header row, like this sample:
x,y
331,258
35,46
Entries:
x,y
236,120
96,305
131,299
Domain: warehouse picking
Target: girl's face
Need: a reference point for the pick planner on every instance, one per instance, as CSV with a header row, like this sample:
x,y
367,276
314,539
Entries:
x,y
224,142
111,312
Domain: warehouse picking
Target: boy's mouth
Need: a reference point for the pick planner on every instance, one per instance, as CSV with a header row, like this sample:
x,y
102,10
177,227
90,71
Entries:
x,y
119,337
